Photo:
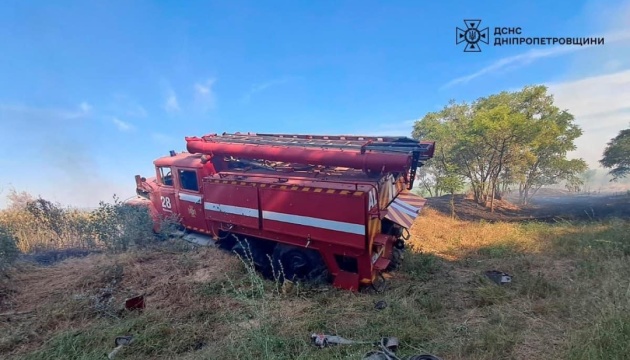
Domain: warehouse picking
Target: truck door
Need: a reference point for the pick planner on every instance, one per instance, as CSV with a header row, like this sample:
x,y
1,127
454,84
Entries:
x,y
166,203
190,199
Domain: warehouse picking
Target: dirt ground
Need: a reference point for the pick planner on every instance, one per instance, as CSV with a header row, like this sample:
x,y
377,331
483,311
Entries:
x,y
549,206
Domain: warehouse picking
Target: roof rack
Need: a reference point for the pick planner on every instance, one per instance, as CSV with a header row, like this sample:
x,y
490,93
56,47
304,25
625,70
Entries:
x,y
372,154
384,144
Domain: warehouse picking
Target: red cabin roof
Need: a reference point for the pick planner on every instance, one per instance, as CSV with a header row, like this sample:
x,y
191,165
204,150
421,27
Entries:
x,y
183,159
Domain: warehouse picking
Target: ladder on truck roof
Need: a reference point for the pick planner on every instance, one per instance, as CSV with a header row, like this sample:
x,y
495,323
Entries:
x,y
421,150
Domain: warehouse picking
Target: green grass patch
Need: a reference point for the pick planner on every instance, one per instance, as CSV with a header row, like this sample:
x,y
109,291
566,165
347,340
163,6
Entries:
x,y
607,338
420,266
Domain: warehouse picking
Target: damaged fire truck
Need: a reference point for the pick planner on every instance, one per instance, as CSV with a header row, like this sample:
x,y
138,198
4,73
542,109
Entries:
x,y
310,205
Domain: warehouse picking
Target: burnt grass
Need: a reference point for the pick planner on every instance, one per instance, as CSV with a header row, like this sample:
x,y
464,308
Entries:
x,y
545,208
567,299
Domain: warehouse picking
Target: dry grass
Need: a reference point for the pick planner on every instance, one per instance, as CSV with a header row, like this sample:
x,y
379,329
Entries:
x,y
40,225
34,235
568,300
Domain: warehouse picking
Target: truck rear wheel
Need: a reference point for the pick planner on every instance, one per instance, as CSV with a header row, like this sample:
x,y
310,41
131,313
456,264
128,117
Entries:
x,y
253,252
297,264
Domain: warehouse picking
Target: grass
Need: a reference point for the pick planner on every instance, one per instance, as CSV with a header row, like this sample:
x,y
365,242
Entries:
x,y
568,300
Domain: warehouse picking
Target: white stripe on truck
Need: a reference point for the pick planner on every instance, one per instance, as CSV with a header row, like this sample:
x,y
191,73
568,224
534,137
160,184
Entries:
x,y
192,198
346,227
351,228
231,209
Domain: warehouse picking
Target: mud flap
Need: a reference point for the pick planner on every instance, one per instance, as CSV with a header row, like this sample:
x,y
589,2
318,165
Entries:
x,y
347,280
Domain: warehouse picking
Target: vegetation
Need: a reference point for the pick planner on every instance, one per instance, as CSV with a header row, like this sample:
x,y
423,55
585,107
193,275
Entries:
x,y
38,224
518,138
567,299
8,248
617,155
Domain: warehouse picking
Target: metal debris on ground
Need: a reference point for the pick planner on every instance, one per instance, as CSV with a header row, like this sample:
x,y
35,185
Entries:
x,y
380,305
135,303
120,342
387,347
323,340
499,277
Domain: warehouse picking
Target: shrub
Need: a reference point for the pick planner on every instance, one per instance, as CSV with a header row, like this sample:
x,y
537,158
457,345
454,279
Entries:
x,y
120,226
8,248
40,225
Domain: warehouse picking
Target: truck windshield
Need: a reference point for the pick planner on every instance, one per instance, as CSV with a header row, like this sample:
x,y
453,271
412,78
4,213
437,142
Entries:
x,y
166,178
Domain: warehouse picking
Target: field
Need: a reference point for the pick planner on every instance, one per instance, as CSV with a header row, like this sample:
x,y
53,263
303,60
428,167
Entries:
x,y
568,299
549,205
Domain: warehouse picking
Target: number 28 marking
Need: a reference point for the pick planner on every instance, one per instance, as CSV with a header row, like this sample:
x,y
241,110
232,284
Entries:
x,y
166,202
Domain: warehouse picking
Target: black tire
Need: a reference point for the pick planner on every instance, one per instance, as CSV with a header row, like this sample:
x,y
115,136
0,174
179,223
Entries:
x,y
296,264
255,252
423,357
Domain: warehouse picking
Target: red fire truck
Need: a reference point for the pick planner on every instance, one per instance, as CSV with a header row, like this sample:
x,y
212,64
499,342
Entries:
x,y
302,206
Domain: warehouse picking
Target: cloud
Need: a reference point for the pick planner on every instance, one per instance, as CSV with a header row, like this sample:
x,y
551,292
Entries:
x,y
513,61
516,61
256,88
204,94
47,142
122,125
171,104
10,111
85,107
202,90
601,108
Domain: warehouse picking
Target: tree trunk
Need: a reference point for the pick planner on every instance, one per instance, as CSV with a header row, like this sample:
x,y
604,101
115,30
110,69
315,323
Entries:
x,y
525,196
492,199
452,205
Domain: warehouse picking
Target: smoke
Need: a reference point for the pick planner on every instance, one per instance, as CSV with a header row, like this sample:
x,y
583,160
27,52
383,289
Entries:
x,y
53,153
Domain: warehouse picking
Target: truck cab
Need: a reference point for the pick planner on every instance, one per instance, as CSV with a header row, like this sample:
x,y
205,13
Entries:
x,y
180,189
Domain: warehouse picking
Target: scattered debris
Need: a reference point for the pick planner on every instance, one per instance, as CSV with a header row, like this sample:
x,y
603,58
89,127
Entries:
x,y
499,277
120,342
380,305
387,345
323,340
135,303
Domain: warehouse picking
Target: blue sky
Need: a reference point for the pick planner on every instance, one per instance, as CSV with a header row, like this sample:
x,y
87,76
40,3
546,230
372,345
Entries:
x,y
92,92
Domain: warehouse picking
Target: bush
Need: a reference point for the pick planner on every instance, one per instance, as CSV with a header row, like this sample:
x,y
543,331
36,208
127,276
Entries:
x,y
8,248
120,226
40,225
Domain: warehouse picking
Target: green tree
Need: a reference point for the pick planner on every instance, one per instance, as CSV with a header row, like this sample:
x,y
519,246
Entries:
x,y
445,127
546,160
617,155
492,142
518,138
451,183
